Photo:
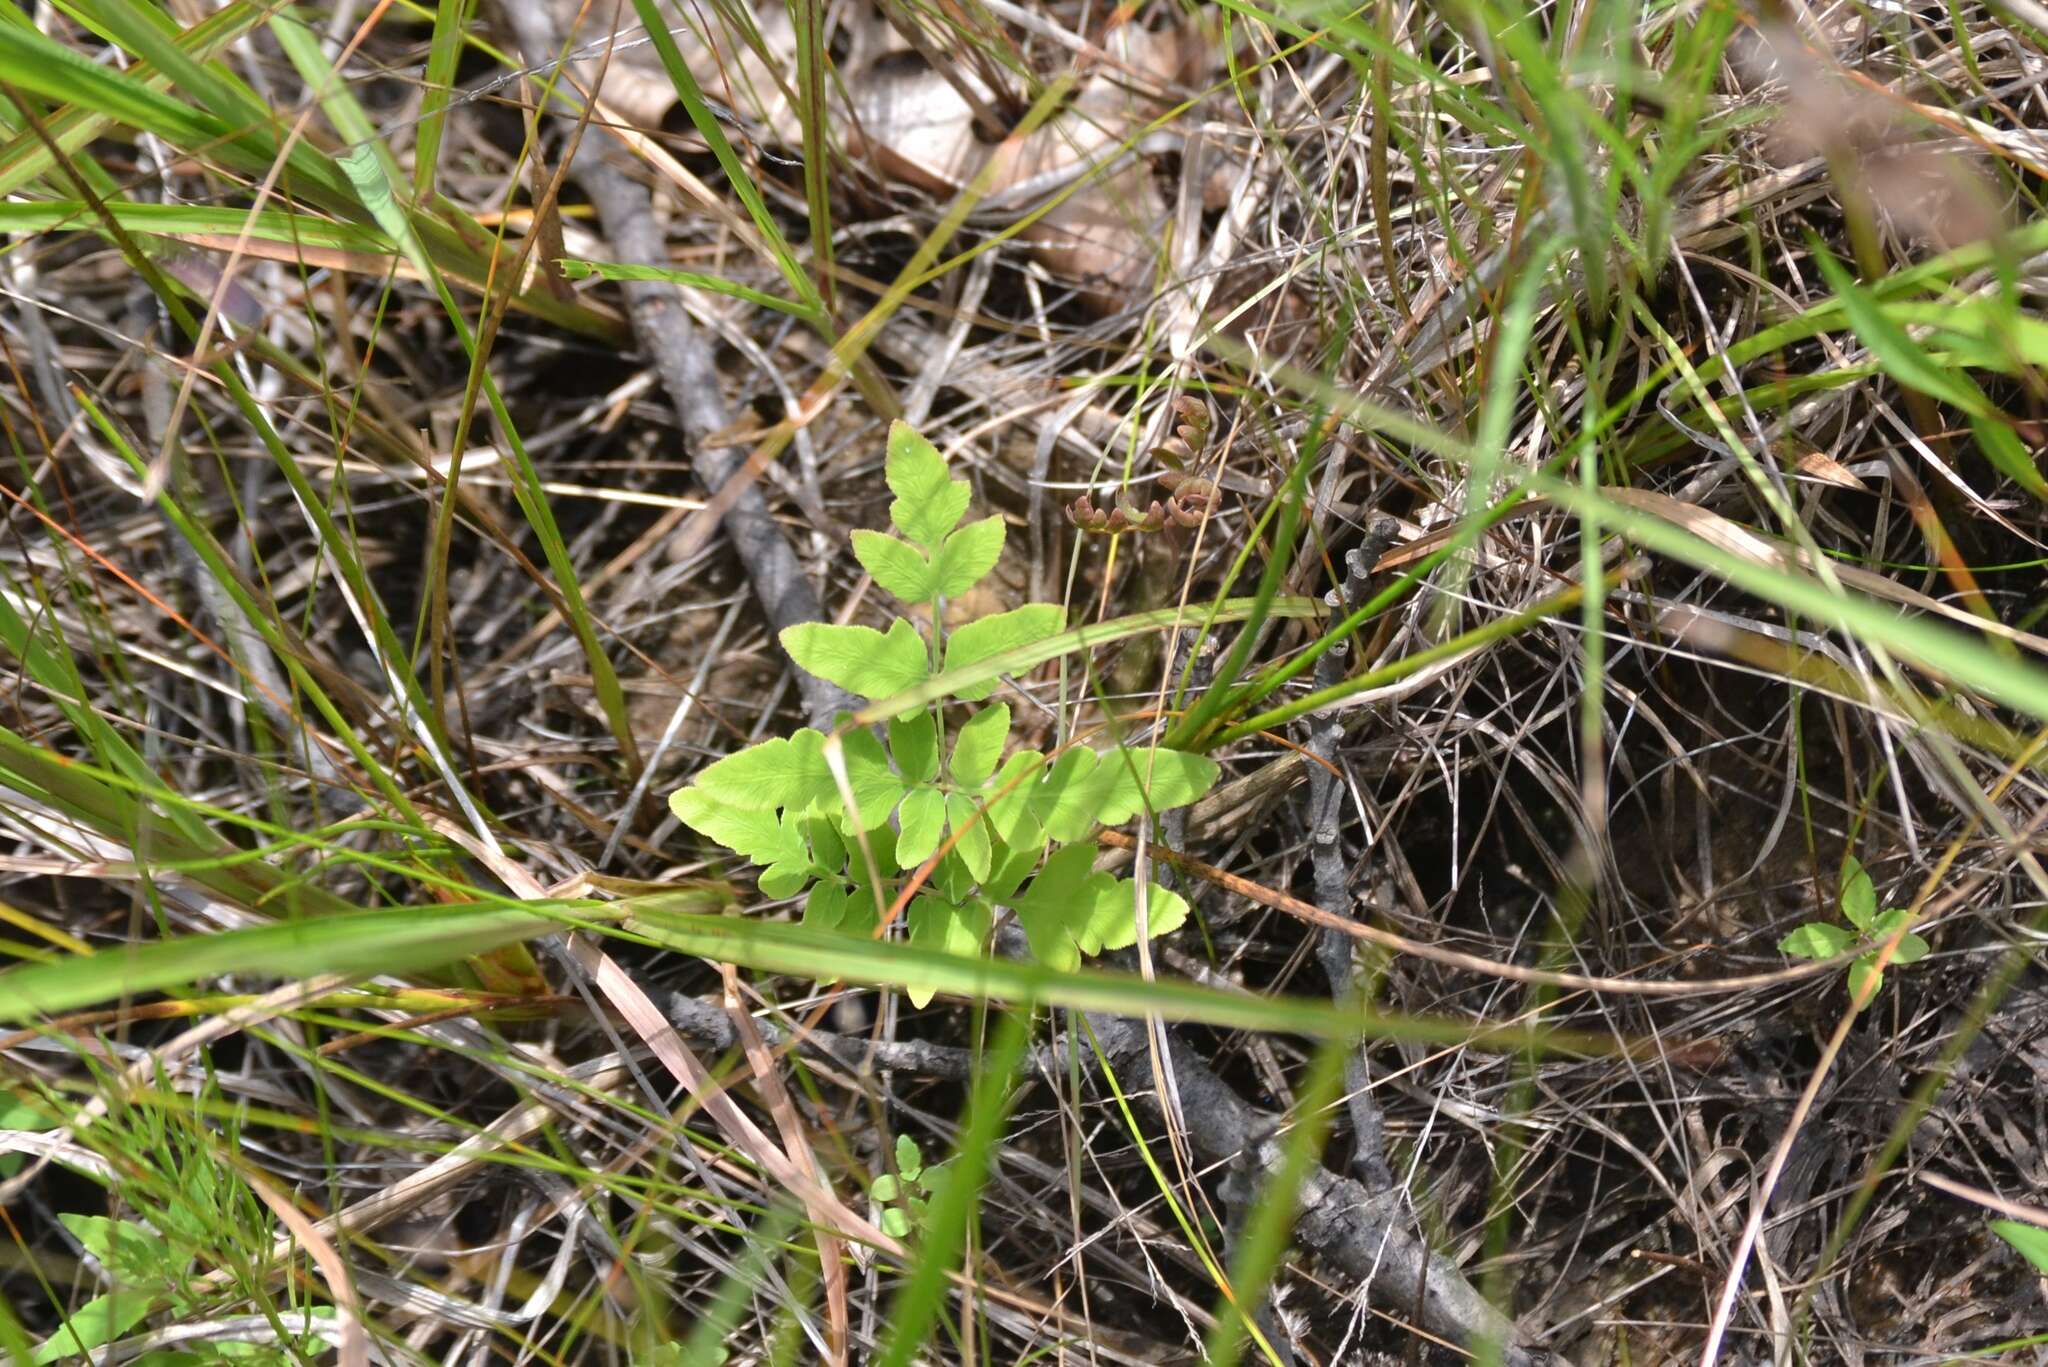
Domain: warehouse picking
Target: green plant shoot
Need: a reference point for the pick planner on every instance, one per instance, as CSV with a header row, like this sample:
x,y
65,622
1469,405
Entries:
x,y
844,819
1866,927
905,1194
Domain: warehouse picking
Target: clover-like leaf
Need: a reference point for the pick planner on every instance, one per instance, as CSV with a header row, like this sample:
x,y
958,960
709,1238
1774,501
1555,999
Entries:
x,y
785,878
921,824
909,1161
951,878
914,741
860,659
1064,802
979,745
966,556
828,851
1816,940
1910,946
1112,921
990,636
1131,781
929,502
1085,788
1859,898
897,566
1008,868
880,844
1061,896
970,834
864,909
885,1188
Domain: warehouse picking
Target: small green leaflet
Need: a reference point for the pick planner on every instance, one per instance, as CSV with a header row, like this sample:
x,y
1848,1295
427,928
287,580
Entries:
x,y
1084,788
137,1258
929,503
921,826
1012,792
979,745
1065,802
1816,940
1071,911
970,834
1158,778
1859,897
914,577
953,928
967,555
1910,946
860,659
99,1321
875,787
991,636
899,567
775,773
909,1161
764,838
1113,922
914,741
1063,887
825,908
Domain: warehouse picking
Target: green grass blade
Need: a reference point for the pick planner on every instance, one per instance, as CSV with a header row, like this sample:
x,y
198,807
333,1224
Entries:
x,y
780,947
1073,639
24,158
442,54
367,942
738,176
812,59
1906,361
622,270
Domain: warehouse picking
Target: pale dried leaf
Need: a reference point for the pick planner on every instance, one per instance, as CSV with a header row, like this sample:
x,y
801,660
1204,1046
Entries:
x,y
1825,468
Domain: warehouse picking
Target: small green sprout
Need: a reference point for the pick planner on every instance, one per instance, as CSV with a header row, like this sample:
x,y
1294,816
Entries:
x,y
1867,928
903,1194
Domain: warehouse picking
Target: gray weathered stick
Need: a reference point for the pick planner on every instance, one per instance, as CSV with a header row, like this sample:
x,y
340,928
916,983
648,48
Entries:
x,y
683,360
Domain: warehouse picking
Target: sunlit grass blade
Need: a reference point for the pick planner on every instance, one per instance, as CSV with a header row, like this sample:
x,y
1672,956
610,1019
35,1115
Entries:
x,y
780,947
364,942
619,270
1074,639
442,54
738,176
1907,362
